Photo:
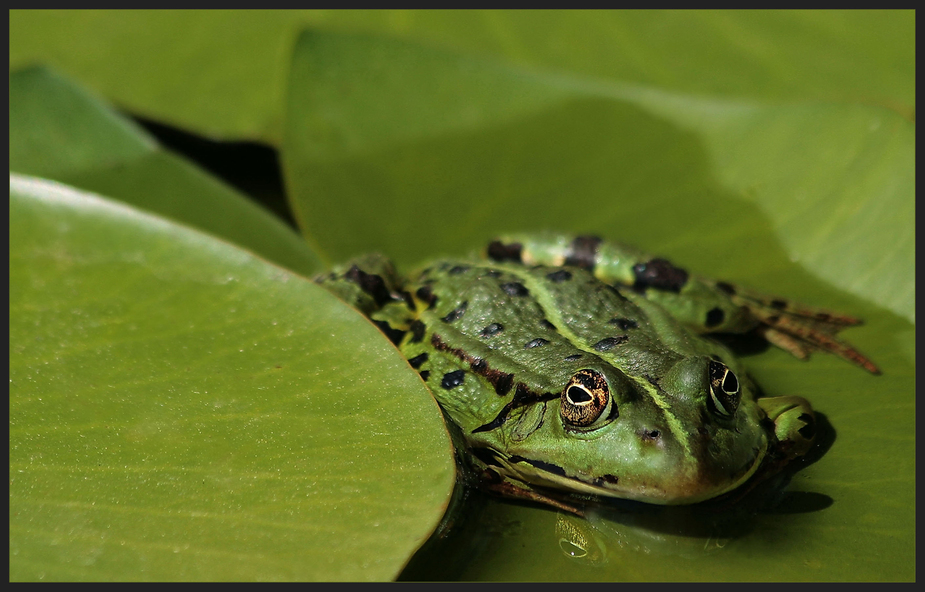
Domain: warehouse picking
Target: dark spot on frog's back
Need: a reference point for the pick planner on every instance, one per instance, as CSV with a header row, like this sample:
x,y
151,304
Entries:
x,y
515,289
417,331
547,325
659,274
453,379
416,361
609,343
426,294
456,313
491,330
538,342
572,358
370,283
394,335
582,252
563,275
499,251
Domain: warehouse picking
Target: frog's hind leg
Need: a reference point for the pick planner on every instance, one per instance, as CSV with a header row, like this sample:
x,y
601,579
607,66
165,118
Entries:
x,y
702,304
370,284
800,329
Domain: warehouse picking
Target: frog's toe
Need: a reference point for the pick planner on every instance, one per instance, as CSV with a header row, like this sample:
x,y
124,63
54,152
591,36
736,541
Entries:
x,y
800,329
794,423
784,341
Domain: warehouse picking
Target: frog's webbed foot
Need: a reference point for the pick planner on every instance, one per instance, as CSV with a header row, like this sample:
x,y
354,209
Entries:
x,y
799,329
794,424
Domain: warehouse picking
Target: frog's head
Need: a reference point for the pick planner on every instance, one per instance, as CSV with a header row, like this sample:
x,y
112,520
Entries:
x,y
692,435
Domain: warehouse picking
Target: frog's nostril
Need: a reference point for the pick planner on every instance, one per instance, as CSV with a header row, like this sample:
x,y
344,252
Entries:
x,y
650,434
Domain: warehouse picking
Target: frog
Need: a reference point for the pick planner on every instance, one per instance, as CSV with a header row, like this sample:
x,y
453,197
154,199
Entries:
x,y
572,369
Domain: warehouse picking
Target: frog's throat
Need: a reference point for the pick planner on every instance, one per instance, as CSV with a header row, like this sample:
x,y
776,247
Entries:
x,y
543,474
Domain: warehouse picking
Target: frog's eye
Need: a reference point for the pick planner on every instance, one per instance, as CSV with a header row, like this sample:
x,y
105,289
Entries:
x,y
585,398
724,390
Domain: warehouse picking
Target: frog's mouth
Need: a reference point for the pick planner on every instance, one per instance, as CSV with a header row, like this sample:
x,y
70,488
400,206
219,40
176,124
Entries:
x,y
689,490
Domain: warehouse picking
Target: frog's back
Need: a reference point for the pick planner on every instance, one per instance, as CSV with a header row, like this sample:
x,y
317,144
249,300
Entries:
x,y
526,330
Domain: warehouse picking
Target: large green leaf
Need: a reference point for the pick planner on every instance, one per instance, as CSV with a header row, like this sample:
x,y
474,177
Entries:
x,y
400,148
448,149
224,72
180,409
59,131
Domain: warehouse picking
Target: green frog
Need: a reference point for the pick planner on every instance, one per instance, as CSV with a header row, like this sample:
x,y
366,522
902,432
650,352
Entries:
x,y
574,368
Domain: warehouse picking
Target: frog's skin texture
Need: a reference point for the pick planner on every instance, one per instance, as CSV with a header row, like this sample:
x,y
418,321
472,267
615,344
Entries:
x,y
575,367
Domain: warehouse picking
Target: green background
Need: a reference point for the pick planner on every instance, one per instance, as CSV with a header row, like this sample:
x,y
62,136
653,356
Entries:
x,y
185,404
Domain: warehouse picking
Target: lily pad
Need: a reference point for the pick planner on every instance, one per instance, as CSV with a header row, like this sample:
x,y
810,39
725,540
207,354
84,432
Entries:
x,y
223,73
450,149
182,410
60,131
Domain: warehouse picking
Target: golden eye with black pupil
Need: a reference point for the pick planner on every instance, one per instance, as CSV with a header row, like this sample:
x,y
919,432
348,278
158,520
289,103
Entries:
x,y
585,398
724,390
